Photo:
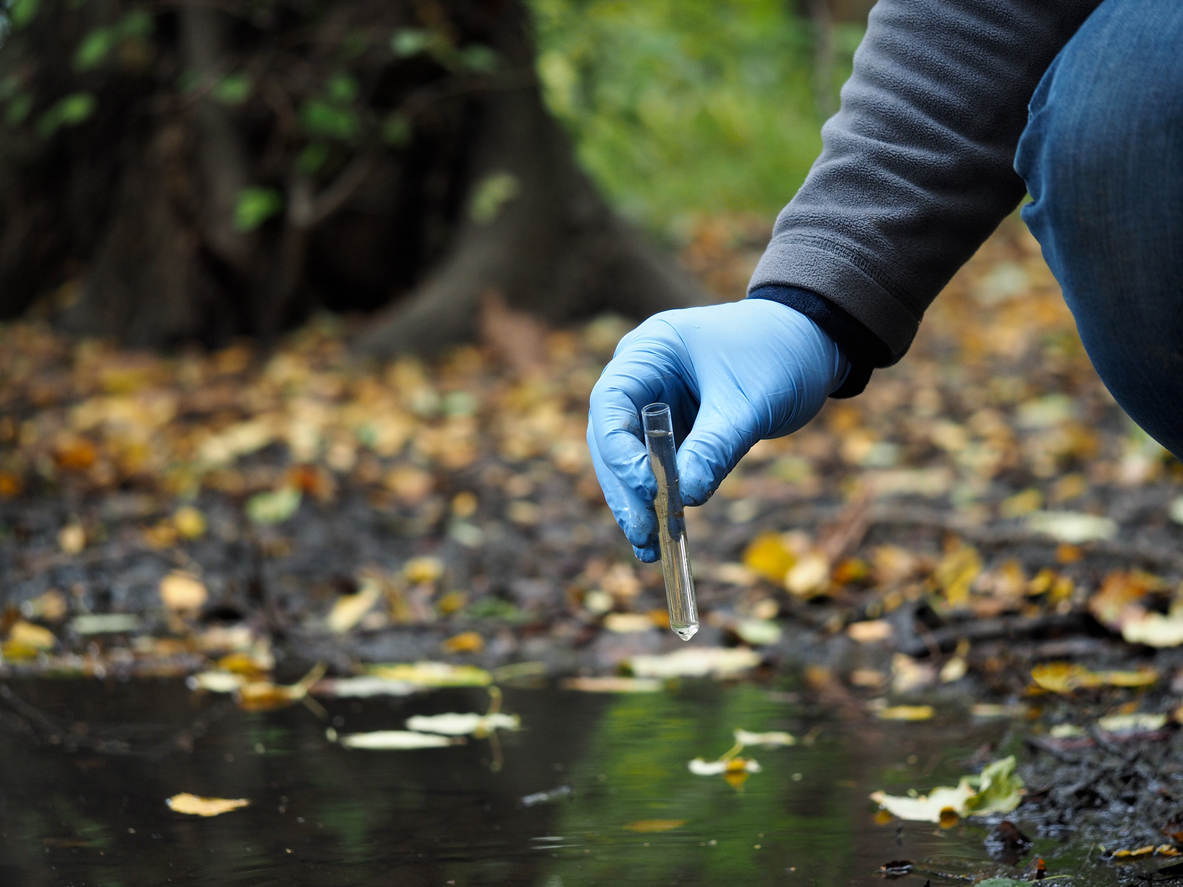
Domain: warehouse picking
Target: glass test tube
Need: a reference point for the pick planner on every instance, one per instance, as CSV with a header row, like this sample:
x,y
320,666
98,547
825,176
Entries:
x,y
671,521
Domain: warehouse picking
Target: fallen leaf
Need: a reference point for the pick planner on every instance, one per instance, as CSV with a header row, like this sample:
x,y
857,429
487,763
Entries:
x,y
215,681
871,631
1132,724
106,623
758,632
768,740
363,687
809,576
1065,677
274,507
769,556
467,724
198,806
996,790
433,674
906,713
701,767
72,539
1072,527
190,522
696,663
266,696
628,623
655,825
29,635
183,592
397,740
349,608
612,685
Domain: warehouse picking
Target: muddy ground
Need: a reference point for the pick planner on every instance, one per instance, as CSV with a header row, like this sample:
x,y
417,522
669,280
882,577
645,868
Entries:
x,y
981,531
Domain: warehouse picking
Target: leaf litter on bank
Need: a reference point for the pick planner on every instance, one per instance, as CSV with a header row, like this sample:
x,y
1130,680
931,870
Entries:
x,y
997,789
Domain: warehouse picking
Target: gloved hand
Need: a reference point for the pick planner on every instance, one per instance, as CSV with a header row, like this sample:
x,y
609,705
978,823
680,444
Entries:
x,y
732,374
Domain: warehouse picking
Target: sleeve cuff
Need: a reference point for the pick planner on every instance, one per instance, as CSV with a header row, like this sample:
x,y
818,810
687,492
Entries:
x,y
862,348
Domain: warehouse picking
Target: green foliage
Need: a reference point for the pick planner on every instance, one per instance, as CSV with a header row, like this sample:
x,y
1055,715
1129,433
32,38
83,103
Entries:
x,y
233,89
475,57
685,106
67,111
326,120
21,12
255,206
97,45
18,109
396,130
490,194
312,158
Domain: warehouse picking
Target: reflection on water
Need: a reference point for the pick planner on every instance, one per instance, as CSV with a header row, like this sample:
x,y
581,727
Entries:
x,y
88,766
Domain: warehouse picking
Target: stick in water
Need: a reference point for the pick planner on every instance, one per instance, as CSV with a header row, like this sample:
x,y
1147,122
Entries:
x,y
671,521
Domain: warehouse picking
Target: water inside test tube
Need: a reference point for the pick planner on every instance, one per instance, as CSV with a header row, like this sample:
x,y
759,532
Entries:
x,y
671,522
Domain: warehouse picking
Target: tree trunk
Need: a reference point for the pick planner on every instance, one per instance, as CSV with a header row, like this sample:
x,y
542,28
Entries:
x,y
441,175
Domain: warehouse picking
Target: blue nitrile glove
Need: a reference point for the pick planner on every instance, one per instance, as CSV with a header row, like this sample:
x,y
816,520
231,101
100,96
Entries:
x,y
732,374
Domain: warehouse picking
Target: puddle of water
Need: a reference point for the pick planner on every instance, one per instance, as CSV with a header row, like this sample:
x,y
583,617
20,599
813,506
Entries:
x,y
88,766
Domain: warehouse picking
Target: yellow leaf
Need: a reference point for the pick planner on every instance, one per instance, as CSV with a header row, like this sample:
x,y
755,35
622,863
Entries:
x,y
655,825
198,806
1065,677
349,608
612,685
29,635
182,592
809,576
421,570
696,663
189,522
767,555
465,642
907,713
434,674
956,573
265,696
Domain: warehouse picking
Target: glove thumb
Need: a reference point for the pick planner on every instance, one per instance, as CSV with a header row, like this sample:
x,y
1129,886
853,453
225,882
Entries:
x,y
714,447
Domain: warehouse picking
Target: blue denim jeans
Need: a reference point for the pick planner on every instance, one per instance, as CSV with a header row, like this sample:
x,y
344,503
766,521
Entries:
x,y
1102,156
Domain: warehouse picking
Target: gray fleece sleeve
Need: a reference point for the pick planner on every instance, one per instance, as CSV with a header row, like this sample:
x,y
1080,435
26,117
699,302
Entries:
x,y
917,166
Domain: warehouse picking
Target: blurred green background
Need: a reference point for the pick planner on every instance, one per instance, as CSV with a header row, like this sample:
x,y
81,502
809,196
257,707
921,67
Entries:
x,y
684,107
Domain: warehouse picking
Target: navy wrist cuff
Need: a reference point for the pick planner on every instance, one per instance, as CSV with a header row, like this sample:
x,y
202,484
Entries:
x,y
862,348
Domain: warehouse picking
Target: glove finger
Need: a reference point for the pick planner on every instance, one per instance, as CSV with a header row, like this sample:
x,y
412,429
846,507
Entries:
x,y
714,446
634,515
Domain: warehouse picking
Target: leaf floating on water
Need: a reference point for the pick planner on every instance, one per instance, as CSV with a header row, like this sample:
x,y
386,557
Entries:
x,y
467,724
397,740
612,685
266,696
696,663
907,713
434,674
645,826
216,681
365,686
996,790
768,740
195,805
562,791
701,767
